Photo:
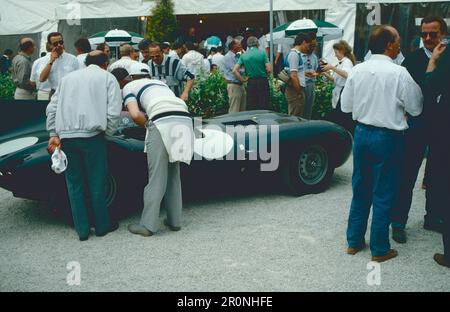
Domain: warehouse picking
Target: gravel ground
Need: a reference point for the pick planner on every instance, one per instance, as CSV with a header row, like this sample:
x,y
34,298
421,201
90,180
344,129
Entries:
x,y
258,242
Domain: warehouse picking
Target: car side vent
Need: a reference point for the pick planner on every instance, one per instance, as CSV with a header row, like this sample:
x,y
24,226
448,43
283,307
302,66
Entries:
x,y
245,122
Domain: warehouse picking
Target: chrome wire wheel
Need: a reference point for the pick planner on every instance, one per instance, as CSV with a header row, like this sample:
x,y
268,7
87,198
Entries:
x,y
313,165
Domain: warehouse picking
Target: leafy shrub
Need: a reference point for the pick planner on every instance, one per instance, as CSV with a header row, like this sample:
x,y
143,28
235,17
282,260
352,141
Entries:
x,y
209,96
277,99
7,87
322,102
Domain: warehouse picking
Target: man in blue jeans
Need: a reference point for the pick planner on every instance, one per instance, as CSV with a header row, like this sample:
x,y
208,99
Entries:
x,y
378,93
85,107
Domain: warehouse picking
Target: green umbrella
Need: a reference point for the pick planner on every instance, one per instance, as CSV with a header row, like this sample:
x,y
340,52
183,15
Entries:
x,y
116,37
287,32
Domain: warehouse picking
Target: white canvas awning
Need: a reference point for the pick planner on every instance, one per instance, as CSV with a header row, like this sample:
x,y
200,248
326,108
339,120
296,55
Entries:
x,y
31,16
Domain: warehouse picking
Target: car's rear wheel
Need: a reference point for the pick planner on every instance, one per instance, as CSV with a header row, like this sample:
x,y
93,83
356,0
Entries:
x,y
309,171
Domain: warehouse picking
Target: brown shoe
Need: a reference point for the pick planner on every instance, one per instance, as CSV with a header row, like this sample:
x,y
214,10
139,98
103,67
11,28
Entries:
x,y
140,230
355,250
440,259
171,227
391,254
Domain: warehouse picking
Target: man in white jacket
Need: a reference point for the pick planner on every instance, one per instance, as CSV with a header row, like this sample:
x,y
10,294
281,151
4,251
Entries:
x,y
85,107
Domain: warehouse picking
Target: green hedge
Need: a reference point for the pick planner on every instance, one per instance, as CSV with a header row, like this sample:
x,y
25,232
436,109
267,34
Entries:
x,y
322,102
7,87
209,97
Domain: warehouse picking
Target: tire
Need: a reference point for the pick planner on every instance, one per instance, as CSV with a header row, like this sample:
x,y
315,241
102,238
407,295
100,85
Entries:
x,y
124,195
309,171
122,199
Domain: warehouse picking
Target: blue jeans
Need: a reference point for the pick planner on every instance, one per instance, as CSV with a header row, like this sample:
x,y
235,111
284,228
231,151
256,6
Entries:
x,y
377,157
86,182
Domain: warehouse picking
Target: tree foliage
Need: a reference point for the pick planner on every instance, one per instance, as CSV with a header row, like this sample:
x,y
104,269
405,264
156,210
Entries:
x,y
162,24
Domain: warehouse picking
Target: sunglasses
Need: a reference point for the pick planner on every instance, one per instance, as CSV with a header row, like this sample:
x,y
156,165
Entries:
x,y
57,43
432,34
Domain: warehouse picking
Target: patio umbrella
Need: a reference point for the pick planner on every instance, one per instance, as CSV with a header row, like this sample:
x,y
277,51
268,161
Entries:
x,y
116,37
287,32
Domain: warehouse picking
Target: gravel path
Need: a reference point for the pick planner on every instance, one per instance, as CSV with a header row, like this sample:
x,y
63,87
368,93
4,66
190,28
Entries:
x,y
258,242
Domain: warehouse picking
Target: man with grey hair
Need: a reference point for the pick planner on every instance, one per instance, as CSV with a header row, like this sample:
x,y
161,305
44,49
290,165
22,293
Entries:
x,y
257,68
21,71
235,88
126,59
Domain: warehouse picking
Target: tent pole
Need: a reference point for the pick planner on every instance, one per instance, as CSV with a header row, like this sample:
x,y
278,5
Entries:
x,y
271,33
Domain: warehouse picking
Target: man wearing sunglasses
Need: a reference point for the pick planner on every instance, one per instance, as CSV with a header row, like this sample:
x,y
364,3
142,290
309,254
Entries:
x,y
59,63
433,31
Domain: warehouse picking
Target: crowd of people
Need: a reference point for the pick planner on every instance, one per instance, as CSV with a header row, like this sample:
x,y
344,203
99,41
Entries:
x,y
396,113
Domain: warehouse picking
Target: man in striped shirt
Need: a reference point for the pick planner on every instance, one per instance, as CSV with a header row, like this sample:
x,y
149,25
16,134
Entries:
x,y
170,71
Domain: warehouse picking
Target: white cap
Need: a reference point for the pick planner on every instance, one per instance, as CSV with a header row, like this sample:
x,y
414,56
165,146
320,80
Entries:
x,y
139,69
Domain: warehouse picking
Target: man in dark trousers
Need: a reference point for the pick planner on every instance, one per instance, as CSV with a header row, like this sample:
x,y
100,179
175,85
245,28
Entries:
x,y
438,182
257,68
85,107
433,29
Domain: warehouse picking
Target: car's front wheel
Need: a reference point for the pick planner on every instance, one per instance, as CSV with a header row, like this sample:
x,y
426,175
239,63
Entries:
x,y
309,170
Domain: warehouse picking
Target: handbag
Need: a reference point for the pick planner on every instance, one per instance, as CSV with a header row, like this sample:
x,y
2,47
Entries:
x,y
284,76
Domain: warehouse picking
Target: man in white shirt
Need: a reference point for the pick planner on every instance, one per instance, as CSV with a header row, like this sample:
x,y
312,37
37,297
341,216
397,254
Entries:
x,y
194,60
169,141
217,59
83,47
43,88
126,60
378,93
85,107
59,62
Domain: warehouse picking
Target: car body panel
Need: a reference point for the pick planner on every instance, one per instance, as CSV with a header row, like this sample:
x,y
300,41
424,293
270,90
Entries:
x,y
27,172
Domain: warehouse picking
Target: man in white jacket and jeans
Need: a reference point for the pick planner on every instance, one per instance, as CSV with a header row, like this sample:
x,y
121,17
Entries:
x,y
85,107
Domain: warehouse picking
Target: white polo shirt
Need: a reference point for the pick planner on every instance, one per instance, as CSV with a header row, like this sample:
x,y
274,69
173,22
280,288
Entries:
x,y
63,65
36,70
380,93
156,98
82,60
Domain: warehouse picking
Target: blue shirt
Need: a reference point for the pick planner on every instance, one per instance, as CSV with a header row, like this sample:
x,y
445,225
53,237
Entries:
x,y
229,60
294,63
310,64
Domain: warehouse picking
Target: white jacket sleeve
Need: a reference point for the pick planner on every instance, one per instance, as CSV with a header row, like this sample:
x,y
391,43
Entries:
x,y
114,105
